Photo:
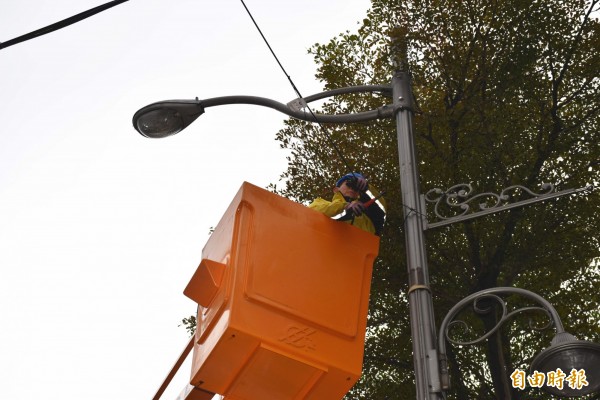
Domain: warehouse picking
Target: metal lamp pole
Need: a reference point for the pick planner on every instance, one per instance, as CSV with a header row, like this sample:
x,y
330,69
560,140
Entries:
x,y
420,301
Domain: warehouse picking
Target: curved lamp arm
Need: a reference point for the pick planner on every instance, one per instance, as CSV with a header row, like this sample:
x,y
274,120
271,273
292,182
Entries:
x,y
166,118
492,293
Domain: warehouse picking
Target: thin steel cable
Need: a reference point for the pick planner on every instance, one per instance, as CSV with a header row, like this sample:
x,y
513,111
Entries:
x,y
327,135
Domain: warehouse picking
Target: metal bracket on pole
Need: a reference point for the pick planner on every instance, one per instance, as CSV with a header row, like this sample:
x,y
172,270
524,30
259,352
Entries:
x,y
297,104
404,101
435,385
458,196
418,287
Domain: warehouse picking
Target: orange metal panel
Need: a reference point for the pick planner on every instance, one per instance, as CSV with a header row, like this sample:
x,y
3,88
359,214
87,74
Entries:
x,y
206,282
284,295
269,374
192,393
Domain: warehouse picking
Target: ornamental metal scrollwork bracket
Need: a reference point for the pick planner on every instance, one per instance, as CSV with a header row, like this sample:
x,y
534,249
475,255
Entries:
x,y
467,206
479,308
476,300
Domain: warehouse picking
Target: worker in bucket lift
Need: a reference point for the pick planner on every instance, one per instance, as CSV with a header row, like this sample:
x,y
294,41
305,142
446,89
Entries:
x,y
355,203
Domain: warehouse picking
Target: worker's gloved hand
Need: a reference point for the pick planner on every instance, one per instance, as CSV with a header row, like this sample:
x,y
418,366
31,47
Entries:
x,y
356,208
361,184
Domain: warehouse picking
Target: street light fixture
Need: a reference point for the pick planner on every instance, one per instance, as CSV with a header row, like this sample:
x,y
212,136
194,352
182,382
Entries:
x,y
166,118
568,353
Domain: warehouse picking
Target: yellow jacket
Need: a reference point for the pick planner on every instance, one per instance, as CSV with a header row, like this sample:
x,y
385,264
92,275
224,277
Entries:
x,y
336,206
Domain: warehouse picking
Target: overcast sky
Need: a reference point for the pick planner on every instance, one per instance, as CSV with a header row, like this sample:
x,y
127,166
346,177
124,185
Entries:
x,y
100,228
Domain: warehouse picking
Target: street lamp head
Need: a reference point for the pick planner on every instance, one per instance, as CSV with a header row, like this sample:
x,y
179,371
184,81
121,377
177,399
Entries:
x,y
166,118
568,353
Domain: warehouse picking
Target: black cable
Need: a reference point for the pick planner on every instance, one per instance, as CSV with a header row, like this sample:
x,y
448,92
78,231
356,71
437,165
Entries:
x,y
329,138
61,24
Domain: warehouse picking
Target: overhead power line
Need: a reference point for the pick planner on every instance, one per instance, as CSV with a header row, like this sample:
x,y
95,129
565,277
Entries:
x,y
61,24
327,135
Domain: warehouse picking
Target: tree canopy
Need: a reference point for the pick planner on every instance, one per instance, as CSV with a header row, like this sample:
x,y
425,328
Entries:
x,y
507,93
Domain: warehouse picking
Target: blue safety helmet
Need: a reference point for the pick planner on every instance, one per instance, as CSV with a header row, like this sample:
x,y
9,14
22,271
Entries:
x,y
352,176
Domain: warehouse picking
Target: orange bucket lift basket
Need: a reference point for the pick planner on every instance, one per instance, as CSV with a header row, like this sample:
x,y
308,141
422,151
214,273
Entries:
x,y
283,295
